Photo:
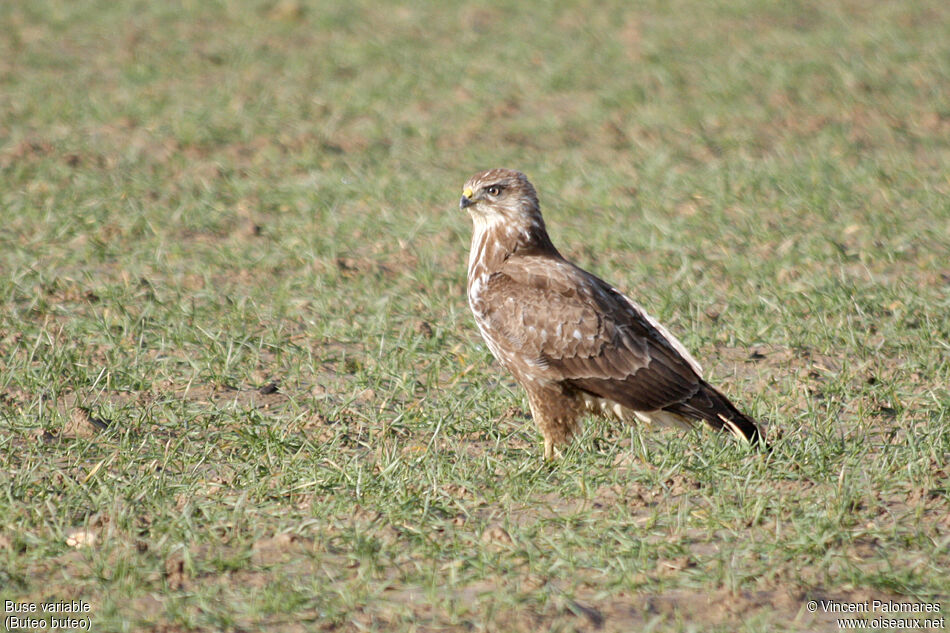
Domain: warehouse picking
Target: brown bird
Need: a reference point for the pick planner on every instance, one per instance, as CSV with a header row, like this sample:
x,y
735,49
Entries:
x,y
574,342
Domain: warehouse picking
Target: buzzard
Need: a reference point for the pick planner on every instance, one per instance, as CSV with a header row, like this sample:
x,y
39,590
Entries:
x,y
574,342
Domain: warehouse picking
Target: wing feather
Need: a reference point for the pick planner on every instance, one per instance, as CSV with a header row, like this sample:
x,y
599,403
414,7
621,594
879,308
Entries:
x,y
570,326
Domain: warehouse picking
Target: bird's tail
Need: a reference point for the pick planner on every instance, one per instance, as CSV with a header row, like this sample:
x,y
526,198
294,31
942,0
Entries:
x,y
718,412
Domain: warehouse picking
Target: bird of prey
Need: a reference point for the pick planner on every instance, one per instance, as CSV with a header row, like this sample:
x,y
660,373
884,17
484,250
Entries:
x,y
574,342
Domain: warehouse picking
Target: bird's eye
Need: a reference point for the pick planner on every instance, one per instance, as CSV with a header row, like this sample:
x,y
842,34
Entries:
x,y
494,190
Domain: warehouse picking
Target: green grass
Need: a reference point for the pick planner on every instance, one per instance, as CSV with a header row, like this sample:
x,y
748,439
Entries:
x,y
202,199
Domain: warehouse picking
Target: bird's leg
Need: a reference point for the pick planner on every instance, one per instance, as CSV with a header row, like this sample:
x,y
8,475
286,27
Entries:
x,y
541,421
555,416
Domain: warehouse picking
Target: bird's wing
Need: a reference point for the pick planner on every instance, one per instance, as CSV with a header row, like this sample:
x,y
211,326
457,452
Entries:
x,y
568,325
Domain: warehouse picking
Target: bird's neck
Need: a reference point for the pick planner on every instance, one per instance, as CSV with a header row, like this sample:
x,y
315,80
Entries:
x,y
494,242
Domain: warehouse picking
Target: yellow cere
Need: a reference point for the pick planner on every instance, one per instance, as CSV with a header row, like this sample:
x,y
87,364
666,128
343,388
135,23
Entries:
x,y
467,192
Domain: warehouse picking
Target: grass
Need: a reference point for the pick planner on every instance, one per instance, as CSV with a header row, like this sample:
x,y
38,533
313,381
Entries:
x,y
235,350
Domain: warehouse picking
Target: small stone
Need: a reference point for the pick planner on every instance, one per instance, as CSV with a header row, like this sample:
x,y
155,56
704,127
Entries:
x,y
81,538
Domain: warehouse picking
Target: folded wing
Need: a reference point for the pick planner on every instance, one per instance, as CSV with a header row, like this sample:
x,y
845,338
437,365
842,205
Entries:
x,y
570,326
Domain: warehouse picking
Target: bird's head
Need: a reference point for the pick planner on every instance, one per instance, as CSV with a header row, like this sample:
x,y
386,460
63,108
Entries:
x,y
501,195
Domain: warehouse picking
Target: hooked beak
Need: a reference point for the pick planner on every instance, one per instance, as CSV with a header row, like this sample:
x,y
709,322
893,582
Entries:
x,y
466,200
